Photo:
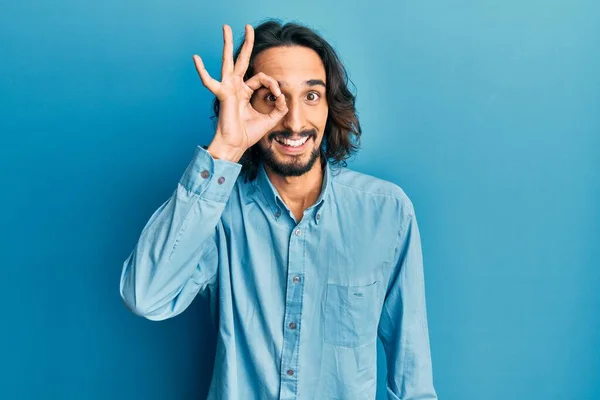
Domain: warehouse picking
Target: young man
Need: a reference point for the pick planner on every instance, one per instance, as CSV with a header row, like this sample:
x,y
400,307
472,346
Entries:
x,y
305,262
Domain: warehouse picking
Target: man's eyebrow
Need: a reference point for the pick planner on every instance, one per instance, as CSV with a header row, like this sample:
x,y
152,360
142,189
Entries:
x,y
310,82
315,82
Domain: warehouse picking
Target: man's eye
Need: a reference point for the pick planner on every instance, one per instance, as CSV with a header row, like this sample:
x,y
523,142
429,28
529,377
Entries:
x,y
270,97
313,96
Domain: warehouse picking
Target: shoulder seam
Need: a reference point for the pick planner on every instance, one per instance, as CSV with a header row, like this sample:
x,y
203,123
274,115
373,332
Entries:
x,y
370,192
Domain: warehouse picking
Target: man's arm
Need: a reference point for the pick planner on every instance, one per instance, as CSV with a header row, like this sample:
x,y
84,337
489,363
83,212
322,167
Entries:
x,y
403,326
176,254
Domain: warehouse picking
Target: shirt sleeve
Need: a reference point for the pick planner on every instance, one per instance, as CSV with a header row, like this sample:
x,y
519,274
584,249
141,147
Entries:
x,y
175,256
403,327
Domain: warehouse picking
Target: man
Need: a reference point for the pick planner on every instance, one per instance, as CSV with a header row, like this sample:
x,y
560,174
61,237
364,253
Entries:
x,y
305,262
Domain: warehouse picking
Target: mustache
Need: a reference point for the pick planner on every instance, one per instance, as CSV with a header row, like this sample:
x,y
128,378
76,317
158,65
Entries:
x,y
286,134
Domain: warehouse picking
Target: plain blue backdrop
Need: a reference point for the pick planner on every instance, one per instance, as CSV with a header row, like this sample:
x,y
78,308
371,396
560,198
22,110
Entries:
x,y
485,112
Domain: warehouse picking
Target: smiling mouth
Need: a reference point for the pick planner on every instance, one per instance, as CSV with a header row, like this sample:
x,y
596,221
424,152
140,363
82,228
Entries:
x,y
292,143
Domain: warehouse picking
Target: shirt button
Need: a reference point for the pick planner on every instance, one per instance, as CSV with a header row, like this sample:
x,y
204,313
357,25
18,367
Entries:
x,y
296,279
205,174
298,232
290,372
221,180
292,325
277,214
318,217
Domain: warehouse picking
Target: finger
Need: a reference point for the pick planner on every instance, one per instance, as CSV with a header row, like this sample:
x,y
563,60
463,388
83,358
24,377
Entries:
x,y
243,60
259,80
227,67
280,109
207,80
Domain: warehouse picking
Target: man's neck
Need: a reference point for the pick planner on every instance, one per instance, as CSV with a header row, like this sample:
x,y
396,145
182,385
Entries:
x,y
298,192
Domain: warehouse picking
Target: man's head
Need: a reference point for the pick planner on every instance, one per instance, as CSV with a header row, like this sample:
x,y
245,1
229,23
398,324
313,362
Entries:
x,y
321,121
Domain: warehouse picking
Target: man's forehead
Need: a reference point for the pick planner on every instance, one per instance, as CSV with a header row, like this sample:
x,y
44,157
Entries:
x,y
293,65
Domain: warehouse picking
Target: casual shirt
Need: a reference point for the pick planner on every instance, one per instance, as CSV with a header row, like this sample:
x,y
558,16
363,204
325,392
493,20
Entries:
x,y
298,305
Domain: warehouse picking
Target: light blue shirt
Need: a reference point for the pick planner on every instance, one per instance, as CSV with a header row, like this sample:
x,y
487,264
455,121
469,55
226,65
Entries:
x,y
298,305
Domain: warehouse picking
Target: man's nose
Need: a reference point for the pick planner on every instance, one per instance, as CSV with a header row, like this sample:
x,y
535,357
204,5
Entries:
x,y
294,120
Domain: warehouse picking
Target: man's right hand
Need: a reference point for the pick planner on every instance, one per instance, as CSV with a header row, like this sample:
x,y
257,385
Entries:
x,y
239,124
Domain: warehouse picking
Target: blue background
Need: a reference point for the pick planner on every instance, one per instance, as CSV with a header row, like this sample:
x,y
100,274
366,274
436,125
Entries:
x,y
486,113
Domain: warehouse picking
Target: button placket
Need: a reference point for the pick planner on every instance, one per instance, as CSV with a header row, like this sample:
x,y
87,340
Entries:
x,y
293,312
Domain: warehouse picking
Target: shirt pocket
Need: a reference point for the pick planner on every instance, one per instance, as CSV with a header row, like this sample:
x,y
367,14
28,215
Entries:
x,y
351,314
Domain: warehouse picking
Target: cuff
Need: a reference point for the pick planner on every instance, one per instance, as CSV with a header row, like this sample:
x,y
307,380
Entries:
x,y
210,178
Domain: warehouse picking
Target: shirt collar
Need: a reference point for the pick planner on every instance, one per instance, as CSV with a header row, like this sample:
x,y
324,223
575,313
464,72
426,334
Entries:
x,y
276,204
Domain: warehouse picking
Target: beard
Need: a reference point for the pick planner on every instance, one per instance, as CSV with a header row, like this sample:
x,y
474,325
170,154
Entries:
x,y
296,166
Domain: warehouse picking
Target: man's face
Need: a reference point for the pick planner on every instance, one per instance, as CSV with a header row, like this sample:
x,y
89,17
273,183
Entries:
x,y
292,147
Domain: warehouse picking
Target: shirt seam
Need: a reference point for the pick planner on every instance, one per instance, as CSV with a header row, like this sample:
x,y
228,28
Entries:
x,y
181,229
401,198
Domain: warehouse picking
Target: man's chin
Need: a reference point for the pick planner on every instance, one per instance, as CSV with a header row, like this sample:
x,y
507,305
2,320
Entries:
x,y
290,164
288,168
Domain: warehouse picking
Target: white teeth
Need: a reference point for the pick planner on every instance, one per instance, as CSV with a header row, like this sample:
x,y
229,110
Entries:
x,y
293,143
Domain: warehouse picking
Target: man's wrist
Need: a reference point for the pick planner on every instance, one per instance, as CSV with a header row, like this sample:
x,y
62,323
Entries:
x,y
223,152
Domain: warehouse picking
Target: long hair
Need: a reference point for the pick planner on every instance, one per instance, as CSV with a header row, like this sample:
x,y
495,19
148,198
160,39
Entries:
x,y
341,137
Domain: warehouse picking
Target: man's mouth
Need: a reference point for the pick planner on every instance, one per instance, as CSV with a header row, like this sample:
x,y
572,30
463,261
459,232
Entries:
x,y
292,142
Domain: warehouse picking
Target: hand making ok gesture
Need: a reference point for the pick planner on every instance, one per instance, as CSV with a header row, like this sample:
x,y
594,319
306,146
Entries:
x,y
239,124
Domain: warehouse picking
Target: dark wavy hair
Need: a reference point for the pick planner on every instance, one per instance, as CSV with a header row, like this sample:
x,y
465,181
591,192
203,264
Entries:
x,y
341,138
